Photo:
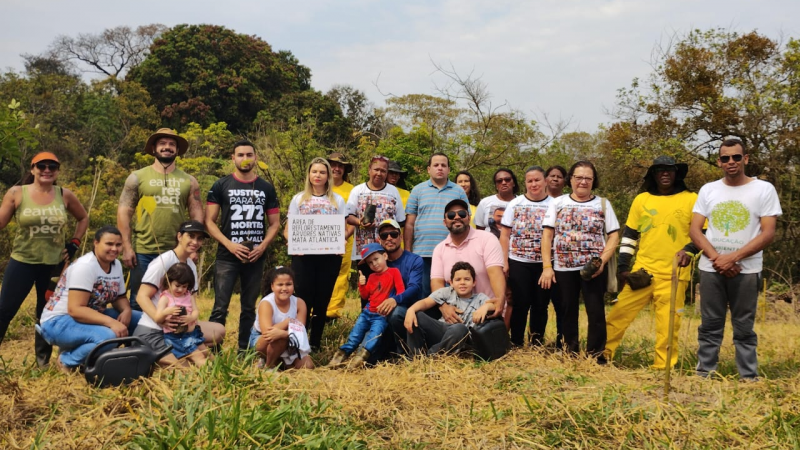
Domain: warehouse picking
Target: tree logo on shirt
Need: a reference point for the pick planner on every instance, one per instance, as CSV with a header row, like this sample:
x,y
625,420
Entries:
x,y
647,221
730,216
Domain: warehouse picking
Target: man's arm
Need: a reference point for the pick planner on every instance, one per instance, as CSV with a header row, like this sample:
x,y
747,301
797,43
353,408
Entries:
x,y
212,213
413,283
699,238
723,263
125,210
274,221
408,232
195,204
497,279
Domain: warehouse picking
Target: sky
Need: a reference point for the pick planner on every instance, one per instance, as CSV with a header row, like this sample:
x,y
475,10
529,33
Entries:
x,y
564,59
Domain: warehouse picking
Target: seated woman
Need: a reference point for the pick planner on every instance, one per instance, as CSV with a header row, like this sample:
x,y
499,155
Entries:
x,y
191,235
77,317
434,336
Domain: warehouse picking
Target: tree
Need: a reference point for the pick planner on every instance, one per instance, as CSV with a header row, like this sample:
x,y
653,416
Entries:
x,y
111,52
207,74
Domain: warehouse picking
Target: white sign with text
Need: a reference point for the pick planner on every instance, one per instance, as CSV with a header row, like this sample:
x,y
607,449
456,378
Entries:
x,y
316,234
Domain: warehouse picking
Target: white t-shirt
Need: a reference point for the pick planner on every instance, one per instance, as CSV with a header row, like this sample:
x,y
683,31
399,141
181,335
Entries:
x,y
317,205
734,218
278,316
524,217
578,228
85,274
154,277
388,205
486,209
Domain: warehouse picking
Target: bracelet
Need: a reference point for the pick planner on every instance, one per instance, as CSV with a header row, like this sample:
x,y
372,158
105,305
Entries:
x,y
76,241
547,267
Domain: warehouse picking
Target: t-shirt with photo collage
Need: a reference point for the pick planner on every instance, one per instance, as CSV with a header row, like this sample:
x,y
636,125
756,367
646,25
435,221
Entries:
x,y
524,217
578,228
388,205
317,205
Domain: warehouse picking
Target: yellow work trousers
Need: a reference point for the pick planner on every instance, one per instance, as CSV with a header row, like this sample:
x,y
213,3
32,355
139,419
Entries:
x,y
629,304
342,282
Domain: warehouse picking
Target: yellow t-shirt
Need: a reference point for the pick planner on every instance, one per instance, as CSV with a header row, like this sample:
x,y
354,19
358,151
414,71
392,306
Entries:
x,y
663,223
404,194
343,190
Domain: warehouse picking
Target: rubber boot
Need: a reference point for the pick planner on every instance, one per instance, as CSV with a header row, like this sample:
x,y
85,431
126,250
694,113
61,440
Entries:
x,y
360,359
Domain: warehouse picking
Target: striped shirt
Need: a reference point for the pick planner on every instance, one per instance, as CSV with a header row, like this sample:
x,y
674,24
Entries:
x,y
427,202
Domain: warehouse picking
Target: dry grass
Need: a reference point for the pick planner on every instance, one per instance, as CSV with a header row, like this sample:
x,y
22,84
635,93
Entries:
x,y
529,399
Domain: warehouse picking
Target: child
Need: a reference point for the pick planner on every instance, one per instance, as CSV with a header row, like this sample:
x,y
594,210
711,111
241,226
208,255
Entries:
x,y
279,330
177,300
438,335
383,283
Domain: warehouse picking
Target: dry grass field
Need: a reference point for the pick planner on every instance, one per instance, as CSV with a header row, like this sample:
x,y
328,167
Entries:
x,y
528,399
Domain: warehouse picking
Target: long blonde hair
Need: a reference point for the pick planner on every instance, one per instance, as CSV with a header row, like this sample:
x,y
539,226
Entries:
x,y
308,191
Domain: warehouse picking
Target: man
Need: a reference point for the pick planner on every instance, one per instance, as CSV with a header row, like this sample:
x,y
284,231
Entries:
x,y
477,247
250,221
741,213
340,168
424,229
658,223
411,271
160,195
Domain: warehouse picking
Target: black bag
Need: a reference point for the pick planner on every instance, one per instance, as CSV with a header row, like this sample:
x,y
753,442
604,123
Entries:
x,y
109,364
490,339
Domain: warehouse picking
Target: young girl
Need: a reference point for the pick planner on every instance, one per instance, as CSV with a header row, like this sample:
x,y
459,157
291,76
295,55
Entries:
x,y
279,330
177,300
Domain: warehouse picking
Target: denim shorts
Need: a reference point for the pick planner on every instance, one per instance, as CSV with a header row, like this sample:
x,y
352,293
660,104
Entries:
x,y
184,344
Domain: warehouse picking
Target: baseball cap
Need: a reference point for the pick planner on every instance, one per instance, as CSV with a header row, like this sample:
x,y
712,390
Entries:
x,y
192,226
370,249
455,202
389,222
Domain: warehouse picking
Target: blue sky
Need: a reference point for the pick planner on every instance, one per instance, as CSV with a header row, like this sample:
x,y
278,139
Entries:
x,y
566,59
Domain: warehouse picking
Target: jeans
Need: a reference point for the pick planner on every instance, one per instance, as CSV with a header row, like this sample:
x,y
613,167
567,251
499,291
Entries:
x,y
76,340
572,285
425,292
436,336
397,320
523,280
225,275
717,294
18,280
135,278
368,329
315,276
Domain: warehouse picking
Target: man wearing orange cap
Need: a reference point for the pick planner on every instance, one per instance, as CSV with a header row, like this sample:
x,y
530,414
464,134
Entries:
x,y
161,195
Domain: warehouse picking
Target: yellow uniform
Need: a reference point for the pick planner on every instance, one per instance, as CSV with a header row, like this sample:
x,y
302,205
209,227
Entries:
x,y
343,280
662,222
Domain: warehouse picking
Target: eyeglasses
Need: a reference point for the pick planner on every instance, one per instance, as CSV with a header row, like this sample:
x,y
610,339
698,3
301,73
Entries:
x,y
394,234
503,180
726,158
43,166
452,214
583,179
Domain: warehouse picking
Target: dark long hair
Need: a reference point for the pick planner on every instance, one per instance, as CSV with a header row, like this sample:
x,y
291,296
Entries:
x,y
474,195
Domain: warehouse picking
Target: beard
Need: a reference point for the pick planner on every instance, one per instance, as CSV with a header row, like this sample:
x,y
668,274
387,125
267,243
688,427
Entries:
x,y
246,169
166,159
454,229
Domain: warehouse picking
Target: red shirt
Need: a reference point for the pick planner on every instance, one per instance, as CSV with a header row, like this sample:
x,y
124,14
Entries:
x,y
381,286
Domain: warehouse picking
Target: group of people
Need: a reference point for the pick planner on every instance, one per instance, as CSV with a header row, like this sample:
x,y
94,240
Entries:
x,y
432,262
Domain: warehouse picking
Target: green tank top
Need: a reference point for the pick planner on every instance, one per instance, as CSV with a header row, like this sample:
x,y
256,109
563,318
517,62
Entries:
x,y
162,207
40,232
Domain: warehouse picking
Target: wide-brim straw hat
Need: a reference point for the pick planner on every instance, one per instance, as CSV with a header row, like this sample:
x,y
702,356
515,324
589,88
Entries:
x,y
150,147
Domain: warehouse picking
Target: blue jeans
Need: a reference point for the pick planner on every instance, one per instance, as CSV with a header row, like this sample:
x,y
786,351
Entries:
x,y
76,340
368,328
136,275
225,275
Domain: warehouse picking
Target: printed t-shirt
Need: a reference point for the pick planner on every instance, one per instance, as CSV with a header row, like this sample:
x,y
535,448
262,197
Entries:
x,y
485,210
663,225
468,306
154,277
85,274
480,248
734,218
162,207
40,229
524,217
388,205
244,207
578,228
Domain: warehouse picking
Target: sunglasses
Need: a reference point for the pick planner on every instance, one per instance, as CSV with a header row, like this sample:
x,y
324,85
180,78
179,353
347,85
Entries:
x,y
726,158
503,180
389,234
44,166
452,214
379,158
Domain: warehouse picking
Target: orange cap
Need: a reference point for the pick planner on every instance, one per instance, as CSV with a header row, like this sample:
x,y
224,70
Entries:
x,y
44,156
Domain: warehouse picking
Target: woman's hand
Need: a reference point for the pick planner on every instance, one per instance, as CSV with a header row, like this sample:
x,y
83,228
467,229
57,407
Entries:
x,y
548,278
599,269
118,328
124,317
274,333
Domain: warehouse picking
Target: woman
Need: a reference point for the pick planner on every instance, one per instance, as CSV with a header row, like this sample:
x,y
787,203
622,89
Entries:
x,y
467,182
505,183
371,203
556,177
340,169
191,235
397,178
315,275
41,210
521,238
579,221
77,317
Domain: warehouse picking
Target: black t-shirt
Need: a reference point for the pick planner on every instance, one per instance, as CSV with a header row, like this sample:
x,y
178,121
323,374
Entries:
x,y
244,207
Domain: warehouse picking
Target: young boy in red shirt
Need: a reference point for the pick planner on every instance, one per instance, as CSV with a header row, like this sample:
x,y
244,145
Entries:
x,y
383,283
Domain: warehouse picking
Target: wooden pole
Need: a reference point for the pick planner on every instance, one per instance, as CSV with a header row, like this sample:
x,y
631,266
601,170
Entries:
x,y
673,293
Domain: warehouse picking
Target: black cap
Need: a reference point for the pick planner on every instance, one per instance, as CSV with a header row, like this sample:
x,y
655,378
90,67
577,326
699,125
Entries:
x,y
192,226
455,202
